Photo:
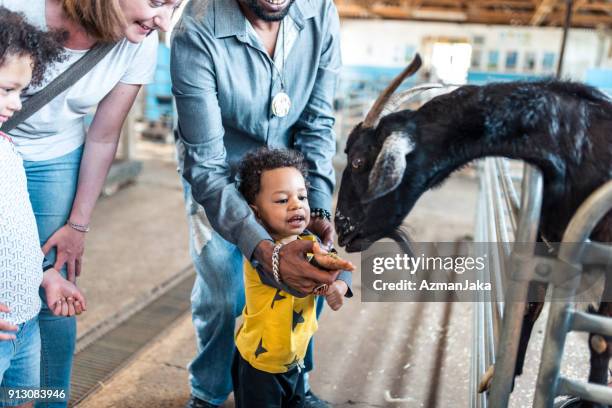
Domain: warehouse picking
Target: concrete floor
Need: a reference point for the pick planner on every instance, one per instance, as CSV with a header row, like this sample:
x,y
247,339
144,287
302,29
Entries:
x,y
367,354
138,242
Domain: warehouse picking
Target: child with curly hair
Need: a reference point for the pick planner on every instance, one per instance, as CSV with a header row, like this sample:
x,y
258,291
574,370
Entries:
x,y
277,327
24,54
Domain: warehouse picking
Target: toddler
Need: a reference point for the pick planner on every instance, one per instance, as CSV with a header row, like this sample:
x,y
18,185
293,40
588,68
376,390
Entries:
x,y
276,328
24,53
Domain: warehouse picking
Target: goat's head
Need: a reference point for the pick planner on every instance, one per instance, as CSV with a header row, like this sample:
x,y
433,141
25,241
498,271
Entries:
x,y
377,158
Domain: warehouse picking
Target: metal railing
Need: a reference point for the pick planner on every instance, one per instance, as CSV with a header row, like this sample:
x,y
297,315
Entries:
x,y
497,324
576,253
501,221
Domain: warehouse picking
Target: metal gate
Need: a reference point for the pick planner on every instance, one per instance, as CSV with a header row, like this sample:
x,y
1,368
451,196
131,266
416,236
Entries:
x,y
506,217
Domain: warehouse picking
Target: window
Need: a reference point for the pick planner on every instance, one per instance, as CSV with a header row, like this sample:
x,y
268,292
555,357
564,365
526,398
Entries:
x,y
493,60
451,61
409,53
476,58
478,40
530,62
511,60
548,62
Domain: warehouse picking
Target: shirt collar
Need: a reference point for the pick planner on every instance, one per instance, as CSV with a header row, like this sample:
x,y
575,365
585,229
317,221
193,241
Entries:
x,y
230,21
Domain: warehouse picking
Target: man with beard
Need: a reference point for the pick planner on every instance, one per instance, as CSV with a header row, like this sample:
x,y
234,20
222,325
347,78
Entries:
x,y
247,74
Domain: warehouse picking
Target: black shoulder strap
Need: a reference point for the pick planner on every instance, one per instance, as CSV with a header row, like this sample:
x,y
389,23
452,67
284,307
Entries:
x,y
64,81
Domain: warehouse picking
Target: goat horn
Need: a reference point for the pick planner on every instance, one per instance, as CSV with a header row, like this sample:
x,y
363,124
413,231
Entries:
x,y
374,114
398,100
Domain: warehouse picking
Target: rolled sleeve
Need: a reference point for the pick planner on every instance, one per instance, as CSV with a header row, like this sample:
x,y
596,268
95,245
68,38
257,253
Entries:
x,y
201,132
315,136
347,277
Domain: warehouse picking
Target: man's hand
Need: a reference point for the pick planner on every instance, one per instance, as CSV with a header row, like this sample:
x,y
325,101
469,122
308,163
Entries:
x,y
63,297
70,245
324,230
335,294
294,268
6,326
330,260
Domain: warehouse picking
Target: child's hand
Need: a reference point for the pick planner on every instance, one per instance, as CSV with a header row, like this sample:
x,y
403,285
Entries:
x,y
6,326
63,297
335,294
330,260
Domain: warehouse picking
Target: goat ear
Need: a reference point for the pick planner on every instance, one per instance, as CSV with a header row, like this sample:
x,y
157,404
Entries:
x,y
388,170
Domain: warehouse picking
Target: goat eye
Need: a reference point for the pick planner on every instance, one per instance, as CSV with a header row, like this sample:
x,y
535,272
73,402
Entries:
x,y
357,163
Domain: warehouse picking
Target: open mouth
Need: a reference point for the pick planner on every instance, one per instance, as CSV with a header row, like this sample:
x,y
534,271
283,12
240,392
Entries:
x,y
275,5
355,239
296,221
145,28
4,118
357,244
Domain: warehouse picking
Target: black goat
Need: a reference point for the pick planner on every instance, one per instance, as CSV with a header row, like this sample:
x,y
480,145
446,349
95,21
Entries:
x,y
563,128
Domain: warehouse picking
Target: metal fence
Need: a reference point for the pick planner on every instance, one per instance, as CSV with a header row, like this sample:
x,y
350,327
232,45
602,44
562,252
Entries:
x,y
507,215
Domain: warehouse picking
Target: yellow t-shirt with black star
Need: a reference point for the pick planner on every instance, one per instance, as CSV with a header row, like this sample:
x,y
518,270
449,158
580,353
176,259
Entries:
x,y
276,326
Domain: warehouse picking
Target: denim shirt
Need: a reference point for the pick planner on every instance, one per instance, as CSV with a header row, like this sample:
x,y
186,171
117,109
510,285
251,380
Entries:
x,y
224,81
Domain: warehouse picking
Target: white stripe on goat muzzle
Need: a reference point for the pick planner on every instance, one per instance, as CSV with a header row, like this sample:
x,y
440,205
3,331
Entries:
x,y
387,173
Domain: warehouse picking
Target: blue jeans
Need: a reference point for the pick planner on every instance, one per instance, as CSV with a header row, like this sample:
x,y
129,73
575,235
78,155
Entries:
x,y
217,299
20,361
52,186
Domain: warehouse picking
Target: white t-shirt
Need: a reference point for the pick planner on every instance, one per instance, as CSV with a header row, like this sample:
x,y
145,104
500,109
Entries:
x,y
58,128
20,254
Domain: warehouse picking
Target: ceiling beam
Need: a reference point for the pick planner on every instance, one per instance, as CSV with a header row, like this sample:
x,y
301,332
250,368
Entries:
x,y
443,3
605,7
591,13
393,12
414,4
351,10
545,7
506,3
559,19
578,4
580,20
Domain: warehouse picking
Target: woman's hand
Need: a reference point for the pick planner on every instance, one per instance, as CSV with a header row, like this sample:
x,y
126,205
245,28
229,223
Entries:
x,y
294,268
63,297
324,230
100,149
6,326
70,245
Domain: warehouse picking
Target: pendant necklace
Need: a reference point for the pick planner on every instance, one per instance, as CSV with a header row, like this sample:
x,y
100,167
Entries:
x,y
281,103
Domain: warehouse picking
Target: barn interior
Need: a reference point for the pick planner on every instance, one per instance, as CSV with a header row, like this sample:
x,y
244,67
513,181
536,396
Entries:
x,y
136,340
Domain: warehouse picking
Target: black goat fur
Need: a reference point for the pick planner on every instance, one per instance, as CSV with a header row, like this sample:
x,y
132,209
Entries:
x,y
563,128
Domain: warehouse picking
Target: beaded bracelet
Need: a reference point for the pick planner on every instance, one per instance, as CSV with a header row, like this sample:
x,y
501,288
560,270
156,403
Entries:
x,y
78,227
320,213
276,261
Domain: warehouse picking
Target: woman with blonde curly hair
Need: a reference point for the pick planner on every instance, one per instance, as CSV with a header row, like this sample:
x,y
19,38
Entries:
x,y
65,165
